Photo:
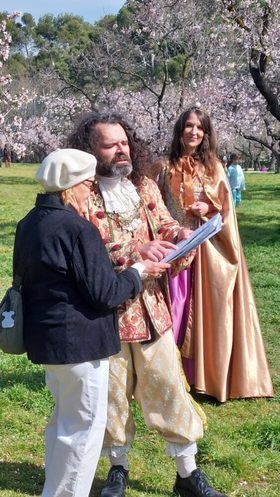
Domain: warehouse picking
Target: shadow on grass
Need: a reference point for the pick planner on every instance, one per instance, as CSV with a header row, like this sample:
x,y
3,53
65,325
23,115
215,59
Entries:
x,y
265,187
259,230
33,380
29,478
202,398
98,484
21,477
17,180
262,192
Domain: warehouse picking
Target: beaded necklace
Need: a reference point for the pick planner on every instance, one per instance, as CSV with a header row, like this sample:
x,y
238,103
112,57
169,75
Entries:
x,y
127,221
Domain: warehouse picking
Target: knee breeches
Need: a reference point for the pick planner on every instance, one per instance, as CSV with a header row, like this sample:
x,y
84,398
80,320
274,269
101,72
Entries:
x,y
152,374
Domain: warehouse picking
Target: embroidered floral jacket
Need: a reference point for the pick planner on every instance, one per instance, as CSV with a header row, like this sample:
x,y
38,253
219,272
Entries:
x,y
155,222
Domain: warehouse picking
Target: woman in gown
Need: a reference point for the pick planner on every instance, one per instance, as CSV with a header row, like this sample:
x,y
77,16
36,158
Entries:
x,y
216,324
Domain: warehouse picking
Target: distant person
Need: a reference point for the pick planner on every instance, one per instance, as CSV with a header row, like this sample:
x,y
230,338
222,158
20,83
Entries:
x,y
264,169
70,291
236,178
13,156
224,162
7,156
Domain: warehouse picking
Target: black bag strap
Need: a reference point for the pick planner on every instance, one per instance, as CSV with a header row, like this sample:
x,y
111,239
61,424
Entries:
x,y
17,281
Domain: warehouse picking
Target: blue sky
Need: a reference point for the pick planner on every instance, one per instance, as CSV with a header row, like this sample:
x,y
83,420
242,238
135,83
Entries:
x,y
90,10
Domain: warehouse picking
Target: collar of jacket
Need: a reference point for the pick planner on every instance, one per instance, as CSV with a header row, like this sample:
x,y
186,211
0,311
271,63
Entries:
x,y
51,201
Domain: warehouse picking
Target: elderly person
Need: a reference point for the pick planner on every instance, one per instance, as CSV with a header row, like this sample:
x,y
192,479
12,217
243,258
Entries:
x,y
70,292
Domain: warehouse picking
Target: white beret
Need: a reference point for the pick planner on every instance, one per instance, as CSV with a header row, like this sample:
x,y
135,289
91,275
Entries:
x,y
64,168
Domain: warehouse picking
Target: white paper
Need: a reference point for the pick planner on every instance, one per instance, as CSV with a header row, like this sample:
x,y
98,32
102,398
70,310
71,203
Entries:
x,y
198,236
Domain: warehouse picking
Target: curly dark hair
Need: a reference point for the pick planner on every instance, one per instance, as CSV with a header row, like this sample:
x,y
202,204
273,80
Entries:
x,y
206,152
84,138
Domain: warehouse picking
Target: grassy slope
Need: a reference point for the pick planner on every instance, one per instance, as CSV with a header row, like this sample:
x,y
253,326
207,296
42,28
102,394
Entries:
x,y
240,451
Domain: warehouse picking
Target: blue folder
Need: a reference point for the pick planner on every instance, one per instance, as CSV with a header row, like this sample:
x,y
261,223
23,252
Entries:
x,y
198,236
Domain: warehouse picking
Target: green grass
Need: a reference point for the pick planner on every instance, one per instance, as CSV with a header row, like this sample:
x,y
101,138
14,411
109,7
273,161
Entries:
x,y
240,450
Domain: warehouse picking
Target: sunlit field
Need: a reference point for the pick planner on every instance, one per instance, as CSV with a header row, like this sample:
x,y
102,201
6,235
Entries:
x,y
241,449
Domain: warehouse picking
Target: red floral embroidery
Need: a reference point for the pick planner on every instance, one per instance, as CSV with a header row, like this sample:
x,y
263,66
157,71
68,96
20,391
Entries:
x,y
100,214
116,247
161,230
151,206
120,261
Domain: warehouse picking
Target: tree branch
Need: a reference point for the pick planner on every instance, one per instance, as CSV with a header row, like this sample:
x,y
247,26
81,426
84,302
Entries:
x,y
137,76
77,88
256,65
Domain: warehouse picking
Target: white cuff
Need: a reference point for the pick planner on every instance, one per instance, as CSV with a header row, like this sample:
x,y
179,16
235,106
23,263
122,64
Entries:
x,y
115,451
140,268
177,450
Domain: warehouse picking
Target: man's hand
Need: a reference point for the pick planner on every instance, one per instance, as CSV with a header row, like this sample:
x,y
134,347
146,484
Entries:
x,y
155,250
199,209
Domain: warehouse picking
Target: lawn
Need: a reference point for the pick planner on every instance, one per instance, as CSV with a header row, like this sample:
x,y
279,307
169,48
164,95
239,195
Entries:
x,y
240,451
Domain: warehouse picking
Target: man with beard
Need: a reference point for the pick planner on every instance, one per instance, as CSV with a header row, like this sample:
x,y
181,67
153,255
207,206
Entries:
x,y
134,223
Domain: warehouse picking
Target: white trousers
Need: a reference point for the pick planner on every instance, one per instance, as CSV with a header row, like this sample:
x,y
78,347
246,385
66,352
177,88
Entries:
x,y
75,432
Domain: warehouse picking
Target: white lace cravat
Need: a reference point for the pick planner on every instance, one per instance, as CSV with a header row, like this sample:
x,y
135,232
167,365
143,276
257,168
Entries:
x,y
119,194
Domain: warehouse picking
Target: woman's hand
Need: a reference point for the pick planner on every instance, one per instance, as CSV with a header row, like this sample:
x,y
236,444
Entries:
x,y
199,209
184,234
155,250
154,268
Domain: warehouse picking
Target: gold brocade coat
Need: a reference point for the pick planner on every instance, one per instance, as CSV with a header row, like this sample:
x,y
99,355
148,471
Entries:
x,y
223,333
150,311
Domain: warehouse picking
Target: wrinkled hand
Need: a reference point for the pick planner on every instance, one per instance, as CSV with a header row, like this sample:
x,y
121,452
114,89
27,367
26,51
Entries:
x,y
184,234
155,250
87,208
199,209
154,268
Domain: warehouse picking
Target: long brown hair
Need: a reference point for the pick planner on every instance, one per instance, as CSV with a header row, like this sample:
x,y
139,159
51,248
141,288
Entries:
x,y
206,152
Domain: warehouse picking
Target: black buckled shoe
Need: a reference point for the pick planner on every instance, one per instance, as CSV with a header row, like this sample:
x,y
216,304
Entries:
x,y
116,482
195,485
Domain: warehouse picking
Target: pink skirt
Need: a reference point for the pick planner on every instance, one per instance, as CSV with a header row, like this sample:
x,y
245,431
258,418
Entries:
x,y
180,294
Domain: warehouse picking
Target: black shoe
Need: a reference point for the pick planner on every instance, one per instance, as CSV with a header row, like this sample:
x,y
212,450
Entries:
x,y
116,482
195,485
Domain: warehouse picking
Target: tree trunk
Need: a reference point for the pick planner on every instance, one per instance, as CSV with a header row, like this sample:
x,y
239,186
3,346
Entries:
x,y
272,163
256,65
277,165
